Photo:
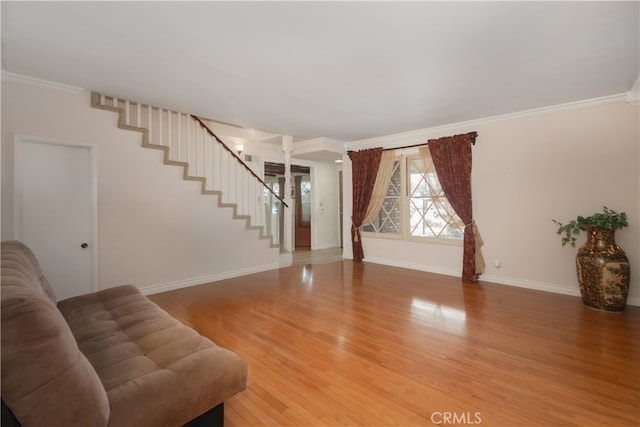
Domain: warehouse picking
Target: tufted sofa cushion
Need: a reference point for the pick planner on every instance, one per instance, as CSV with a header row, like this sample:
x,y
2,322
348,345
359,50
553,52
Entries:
x,y
156,371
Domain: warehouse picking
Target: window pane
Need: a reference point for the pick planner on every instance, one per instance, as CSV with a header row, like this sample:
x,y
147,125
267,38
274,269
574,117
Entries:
x,y
305,189
430,214
305,198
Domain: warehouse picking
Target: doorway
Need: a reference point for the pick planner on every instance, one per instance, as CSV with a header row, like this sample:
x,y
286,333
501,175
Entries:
x,y
302,217
55,205
300,191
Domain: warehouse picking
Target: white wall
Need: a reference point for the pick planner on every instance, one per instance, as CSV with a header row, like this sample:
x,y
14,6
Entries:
x,y
528,168
155,230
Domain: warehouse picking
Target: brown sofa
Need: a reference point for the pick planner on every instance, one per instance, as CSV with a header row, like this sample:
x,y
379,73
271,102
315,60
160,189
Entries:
x,y
110,358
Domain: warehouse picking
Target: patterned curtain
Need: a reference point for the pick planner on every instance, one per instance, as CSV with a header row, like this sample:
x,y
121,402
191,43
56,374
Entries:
x,y
364,167
452,159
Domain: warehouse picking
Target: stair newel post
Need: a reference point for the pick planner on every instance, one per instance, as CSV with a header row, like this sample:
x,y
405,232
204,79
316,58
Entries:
x,y
287,238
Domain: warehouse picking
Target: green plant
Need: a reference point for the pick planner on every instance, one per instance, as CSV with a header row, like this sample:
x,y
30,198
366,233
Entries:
x,y
607,219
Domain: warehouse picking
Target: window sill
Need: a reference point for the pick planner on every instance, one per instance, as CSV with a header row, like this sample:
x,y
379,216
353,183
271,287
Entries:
x,y
424,240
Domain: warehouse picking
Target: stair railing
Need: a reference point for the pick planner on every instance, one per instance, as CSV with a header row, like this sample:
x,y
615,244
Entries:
x,y
226,147
204,157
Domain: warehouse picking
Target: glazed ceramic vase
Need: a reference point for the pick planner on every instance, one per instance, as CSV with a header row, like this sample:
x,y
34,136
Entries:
x,y
603,271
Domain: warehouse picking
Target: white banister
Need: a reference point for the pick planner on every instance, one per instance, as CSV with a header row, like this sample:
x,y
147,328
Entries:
x,y
188,141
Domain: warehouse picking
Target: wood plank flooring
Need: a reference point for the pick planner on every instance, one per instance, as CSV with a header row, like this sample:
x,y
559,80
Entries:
x,y
362,344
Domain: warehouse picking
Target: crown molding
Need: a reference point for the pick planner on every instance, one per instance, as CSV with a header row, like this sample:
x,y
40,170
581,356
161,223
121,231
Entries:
x,y
33,81
444,129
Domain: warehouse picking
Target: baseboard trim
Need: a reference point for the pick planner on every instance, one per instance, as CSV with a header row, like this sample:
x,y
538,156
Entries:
x,y
509,281
286,259
164,287
528,284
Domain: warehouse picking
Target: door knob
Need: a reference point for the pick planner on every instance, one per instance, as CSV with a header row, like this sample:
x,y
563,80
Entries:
x,y
84,245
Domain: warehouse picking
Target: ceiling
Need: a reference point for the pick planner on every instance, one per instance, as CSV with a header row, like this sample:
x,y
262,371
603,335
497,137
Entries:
x,y
340,70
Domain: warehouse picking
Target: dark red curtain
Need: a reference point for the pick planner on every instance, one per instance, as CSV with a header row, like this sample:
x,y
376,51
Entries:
x,y
364,169
452,159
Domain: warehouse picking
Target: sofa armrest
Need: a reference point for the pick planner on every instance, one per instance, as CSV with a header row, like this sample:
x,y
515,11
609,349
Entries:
x,y
42,368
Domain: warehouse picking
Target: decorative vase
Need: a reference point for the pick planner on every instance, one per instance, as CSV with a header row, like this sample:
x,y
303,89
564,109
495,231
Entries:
x,y
603,271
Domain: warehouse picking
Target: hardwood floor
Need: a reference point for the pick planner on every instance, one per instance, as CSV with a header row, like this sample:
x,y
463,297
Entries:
x,y
321,256
347,343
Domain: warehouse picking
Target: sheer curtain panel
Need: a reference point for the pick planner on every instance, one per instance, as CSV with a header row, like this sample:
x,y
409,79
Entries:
x,y
381,186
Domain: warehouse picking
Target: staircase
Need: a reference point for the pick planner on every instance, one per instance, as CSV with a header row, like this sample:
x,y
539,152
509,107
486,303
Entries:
x,y
189,143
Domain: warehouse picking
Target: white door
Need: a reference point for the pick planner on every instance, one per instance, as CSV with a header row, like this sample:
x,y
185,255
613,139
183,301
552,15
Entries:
x,y
55,210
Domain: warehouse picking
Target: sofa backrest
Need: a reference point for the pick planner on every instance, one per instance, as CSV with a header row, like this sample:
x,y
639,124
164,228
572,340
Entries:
x,y
45,379
23,267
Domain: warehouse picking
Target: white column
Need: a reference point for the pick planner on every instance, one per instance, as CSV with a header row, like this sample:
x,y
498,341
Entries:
x,y
287,239
347,206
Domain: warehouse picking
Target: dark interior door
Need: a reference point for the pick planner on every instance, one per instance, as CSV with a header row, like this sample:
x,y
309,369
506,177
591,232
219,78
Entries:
x,y
303,211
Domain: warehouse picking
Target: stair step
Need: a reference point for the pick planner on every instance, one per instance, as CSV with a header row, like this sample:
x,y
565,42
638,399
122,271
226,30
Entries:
x,y
188,143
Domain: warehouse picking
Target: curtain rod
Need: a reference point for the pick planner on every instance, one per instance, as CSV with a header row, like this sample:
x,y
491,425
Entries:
x,y
473,136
